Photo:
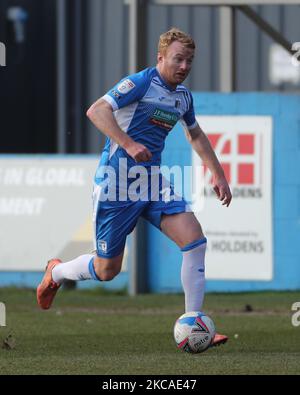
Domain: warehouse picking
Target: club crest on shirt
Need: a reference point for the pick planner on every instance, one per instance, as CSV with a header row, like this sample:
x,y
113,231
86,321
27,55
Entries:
x,y
125,86
177,103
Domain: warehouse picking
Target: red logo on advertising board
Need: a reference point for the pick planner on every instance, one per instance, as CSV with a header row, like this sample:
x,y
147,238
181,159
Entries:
x,y
238,154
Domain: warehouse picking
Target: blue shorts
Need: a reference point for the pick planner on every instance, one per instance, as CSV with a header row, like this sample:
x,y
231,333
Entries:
x,y
113,221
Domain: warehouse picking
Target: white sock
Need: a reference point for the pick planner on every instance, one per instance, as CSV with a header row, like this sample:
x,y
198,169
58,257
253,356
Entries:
x,y
77,269
193,275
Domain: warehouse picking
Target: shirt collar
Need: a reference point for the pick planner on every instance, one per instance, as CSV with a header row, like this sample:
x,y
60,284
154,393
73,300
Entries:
x,y
164,82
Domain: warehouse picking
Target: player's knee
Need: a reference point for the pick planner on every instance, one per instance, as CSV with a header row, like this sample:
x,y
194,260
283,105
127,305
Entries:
x,y
107,275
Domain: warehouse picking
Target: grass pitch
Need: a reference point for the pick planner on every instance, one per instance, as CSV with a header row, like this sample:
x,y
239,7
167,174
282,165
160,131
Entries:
x,y
95,332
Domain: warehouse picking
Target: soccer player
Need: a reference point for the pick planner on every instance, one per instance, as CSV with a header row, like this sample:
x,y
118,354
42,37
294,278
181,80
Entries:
x,y
136,116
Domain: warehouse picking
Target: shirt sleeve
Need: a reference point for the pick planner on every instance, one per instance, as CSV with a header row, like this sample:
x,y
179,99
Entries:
x,y
129,90
189,117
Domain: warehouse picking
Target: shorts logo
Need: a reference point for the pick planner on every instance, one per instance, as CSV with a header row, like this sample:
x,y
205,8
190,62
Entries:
x,y
125,86
102,245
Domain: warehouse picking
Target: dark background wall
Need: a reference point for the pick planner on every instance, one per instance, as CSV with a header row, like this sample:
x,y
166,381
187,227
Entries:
x,y
27,83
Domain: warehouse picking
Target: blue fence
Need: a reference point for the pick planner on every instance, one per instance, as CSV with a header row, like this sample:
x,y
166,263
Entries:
x,y
164,257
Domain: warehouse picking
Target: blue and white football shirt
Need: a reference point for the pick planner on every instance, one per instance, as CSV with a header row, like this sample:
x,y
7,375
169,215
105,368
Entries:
x,y
147,109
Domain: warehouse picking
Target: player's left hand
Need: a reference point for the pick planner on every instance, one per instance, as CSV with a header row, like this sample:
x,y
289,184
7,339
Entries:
x,y
221,187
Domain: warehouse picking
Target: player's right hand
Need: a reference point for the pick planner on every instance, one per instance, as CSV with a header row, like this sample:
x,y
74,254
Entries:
x,y
138,152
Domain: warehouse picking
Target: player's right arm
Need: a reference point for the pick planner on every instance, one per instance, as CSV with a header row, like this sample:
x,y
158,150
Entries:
x,y
101,114
126,92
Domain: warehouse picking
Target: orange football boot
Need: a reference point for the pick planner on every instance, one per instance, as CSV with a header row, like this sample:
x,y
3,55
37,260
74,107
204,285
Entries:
x,y
218,340
47,289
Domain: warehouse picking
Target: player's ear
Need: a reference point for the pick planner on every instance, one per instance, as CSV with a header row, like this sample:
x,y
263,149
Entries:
x,y
159,57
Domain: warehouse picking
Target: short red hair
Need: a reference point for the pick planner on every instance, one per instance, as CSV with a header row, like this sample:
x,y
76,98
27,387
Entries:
x,y
174,34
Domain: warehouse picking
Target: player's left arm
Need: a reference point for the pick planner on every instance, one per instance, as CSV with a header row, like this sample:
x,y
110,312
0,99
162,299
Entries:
x,y
202,146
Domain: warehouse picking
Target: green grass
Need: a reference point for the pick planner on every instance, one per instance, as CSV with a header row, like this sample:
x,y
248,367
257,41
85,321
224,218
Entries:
x,y
96,332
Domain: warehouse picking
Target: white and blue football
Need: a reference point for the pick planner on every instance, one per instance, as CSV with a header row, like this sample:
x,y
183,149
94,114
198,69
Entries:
x,y
194,332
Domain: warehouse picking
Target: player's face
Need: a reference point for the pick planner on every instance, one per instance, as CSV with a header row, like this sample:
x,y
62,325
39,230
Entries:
x,y
175,64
